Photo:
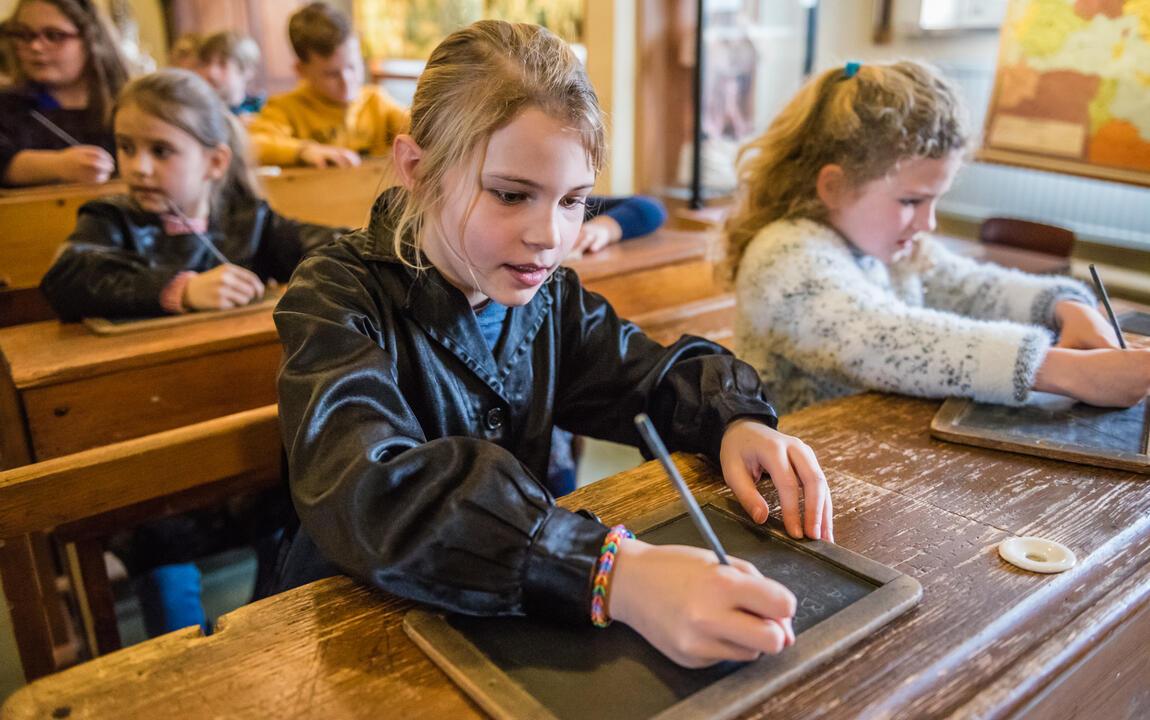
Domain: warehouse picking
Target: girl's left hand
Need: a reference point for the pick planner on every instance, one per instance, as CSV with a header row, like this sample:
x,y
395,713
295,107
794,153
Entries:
x,y
1082,327
596,234
749,449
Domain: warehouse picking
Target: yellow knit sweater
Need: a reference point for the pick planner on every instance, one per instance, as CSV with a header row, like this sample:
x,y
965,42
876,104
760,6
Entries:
x,y
367,125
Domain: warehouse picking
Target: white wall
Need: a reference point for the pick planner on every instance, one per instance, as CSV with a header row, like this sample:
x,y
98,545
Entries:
x,y
846,31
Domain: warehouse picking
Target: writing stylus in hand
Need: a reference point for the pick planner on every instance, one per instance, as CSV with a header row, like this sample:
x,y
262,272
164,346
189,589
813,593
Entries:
x,y
651,437
199,235
1105,298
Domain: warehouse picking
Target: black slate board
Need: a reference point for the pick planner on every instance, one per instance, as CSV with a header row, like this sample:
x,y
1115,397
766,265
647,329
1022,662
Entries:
x,y
520,667
1135,322
1049,426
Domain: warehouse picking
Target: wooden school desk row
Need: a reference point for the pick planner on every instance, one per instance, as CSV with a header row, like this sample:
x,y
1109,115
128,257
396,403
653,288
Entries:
x,y
986,641
64,389
35,221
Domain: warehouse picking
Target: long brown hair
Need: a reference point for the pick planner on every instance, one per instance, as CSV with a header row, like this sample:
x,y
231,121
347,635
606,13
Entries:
x,y
476,82
866,123
104,72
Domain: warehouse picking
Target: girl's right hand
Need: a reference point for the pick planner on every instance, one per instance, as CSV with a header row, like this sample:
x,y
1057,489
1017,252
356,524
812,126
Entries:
x,y
84,164
226,286
1105,377
693,609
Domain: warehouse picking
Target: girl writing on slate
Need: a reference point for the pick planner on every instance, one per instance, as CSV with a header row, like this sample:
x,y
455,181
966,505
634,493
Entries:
x,y
193,232
428,357
54,117
840,287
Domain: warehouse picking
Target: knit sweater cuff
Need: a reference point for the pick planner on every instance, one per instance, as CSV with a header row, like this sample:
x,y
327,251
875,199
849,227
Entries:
x,y
1042,311
1007,362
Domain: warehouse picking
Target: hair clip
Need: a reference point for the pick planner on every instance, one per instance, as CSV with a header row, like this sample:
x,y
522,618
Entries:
x,y
851,68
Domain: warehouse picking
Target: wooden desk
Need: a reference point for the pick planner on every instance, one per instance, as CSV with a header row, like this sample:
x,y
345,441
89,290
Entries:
x,y
665,268
338,197
987,640
64,388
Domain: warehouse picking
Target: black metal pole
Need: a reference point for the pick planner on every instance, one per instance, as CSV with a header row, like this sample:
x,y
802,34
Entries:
x,y
697,131
812,34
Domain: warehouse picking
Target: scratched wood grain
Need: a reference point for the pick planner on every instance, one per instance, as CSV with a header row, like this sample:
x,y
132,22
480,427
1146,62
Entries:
x,y
933,510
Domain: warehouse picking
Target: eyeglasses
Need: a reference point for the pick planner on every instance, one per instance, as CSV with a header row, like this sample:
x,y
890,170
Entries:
x,y
52,36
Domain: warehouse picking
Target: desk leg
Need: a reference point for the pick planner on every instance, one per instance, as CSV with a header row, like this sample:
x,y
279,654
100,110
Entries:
x,y
59,618
28,601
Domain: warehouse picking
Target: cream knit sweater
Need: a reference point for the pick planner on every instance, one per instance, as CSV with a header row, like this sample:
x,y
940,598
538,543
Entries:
x,y
819,320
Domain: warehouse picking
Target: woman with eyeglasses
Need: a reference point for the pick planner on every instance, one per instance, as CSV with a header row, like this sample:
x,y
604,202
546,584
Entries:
x,y
54,117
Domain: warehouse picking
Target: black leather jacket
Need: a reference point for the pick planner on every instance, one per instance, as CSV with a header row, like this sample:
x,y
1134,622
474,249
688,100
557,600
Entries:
x,y
118,258
415,453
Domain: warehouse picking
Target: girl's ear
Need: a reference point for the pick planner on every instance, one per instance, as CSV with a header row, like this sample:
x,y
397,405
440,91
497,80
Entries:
x,y
406,154
832,186
219,158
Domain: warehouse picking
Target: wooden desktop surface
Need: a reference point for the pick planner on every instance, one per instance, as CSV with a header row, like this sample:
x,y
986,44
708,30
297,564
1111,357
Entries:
x,y
987,640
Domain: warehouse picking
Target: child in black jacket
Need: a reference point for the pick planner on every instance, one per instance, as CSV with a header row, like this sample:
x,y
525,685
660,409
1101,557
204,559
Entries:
x,y
428,357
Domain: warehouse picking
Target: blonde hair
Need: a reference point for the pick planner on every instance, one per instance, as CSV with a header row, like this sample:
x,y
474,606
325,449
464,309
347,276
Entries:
x,y
866,124
183,99
476,82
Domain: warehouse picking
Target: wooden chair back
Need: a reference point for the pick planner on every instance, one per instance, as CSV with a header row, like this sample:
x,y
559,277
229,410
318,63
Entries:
x,y
1027,235
33,225
74,496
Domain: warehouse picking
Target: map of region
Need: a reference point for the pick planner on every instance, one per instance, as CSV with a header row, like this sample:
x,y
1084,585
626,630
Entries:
x,y
1073,88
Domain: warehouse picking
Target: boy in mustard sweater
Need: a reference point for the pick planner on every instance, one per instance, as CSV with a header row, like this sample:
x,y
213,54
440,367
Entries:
x,y
331,119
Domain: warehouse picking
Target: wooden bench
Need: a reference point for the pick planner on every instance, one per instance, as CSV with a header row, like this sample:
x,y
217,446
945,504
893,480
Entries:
x,y
712,318
34,222
64,390
86,495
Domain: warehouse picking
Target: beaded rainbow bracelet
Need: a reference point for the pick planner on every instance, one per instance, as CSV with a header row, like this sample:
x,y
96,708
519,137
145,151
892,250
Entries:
x,y
603,574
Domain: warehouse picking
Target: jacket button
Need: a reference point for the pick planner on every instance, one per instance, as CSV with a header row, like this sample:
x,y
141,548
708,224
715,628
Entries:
x,y
495,418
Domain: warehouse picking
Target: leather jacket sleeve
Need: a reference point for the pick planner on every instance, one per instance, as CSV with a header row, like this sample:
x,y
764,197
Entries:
x,y
96,275
611,372
455,522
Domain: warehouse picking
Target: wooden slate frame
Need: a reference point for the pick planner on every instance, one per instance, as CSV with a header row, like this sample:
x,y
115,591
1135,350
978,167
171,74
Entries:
x,y
119,326
503,698
947,424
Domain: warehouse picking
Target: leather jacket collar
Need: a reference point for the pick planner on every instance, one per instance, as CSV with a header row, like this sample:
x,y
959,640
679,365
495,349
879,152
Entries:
x,y
442,310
